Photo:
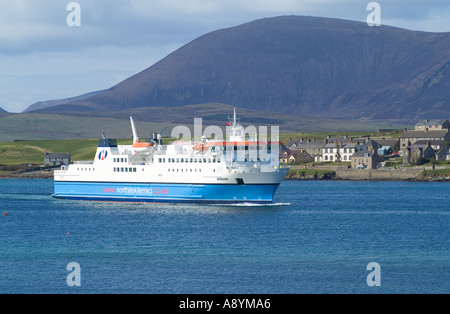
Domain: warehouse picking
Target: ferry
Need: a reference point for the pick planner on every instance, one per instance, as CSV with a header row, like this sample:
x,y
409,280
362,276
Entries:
x,y
233,170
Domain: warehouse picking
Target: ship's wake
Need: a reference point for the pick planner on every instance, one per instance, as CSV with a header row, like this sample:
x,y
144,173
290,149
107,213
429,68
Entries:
x,y
252,205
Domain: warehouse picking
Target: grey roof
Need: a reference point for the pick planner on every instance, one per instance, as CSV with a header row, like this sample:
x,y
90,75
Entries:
x,y
56,155
363,154
315,144
424,134
432,122
344,145
391,143
444,151
432,142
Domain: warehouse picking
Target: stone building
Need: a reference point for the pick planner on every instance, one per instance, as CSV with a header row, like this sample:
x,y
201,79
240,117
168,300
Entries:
x,y
56,159
365,160
418,151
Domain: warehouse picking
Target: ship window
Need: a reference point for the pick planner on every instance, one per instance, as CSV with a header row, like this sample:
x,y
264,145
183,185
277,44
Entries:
x,y
178,159
204,160
130,170
195,160
121,170
159,160
126,169
199,160
190,160
134,169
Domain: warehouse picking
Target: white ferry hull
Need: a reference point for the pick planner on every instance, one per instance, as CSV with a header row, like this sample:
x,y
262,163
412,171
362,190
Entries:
x,y
166,193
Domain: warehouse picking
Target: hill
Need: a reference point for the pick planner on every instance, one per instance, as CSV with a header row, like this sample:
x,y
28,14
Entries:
x,y
296,65
52,103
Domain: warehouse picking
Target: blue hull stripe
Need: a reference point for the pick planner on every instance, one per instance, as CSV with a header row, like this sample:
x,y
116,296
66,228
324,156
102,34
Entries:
x,y
165,193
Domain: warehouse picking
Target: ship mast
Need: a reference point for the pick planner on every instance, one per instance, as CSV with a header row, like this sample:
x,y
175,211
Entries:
x,y
133,127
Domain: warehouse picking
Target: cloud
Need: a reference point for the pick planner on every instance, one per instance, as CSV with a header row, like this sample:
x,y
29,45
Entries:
x,y
42,58
421,19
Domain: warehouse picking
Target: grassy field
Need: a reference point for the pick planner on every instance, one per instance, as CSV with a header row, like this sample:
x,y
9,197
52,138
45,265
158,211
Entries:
x,y
318,136
56,127
32,152
34,126
436,173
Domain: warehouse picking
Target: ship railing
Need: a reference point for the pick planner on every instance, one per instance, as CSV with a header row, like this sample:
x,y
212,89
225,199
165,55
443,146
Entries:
x,y
86,162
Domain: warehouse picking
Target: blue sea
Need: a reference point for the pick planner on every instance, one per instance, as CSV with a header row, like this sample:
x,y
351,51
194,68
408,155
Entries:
x,y
318,238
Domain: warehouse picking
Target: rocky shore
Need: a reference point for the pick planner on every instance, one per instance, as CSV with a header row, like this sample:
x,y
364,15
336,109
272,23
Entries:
x,y
303,174
27,175
403,174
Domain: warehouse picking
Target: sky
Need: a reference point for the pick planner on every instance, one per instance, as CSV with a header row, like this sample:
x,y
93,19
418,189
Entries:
x,y
55,49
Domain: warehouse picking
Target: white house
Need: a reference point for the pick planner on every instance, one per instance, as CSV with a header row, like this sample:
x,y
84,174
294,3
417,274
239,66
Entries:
x,y
337,152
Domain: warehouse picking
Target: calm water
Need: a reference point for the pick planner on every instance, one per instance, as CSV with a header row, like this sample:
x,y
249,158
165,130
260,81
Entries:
x,y
321,243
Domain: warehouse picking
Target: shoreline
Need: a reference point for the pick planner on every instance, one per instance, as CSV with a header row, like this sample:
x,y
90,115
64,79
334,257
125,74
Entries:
x,y
301,175
418,174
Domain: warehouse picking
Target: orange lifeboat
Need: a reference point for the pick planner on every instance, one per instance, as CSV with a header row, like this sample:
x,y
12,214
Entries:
x,y
142,145
201,148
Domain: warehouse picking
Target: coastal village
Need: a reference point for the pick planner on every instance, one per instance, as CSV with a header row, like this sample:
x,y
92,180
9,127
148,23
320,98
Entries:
x,y
427,147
